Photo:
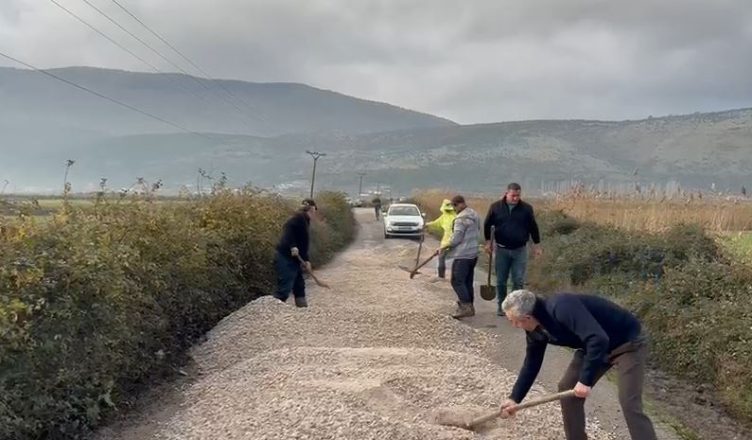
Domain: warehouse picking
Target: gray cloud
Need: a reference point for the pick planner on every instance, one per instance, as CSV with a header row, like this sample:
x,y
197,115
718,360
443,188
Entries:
x,y
477,61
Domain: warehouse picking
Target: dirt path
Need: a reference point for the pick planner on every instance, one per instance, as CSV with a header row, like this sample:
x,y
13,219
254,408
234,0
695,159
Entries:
x,y
376,357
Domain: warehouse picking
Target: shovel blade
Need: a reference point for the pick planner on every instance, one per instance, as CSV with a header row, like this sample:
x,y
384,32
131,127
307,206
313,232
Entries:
x,y
408,269
488,292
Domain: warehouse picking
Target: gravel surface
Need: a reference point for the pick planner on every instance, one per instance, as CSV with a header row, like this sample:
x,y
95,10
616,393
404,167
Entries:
x,y
376,357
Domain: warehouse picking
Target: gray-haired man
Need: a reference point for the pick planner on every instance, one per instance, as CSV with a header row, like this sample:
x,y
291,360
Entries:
x,y
604,336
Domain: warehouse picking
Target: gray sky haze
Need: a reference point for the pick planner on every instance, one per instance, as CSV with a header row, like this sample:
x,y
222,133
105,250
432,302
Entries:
x,y
470,61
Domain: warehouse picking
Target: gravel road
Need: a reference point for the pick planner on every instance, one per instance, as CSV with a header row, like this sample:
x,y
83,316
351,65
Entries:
x,y
377,357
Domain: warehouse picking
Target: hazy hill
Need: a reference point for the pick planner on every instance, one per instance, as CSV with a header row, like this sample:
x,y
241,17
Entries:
x,y
43,123
33,101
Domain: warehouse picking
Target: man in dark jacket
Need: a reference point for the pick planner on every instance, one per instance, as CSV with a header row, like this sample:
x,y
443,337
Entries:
x,y
377,206
603,334
291,249
514,225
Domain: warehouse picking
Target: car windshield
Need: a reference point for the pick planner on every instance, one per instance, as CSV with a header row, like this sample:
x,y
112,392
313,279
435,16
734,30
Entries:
x,y
404,210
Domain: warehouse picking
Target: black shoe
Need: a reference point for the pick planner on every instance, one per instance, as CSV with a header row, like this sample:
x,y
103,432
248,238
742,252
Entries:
x,y
300,301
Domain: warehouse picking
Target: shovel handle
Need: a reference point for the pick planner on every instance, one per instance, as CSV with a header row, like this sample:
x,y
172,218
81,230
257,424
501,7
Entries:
x,y
490,255
420,247
414,271
310,272
528,404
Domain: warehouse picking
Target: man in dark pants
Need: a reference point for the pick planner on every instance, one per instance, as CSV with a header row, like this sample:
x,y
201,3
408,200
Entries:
x,y
604,336
515,225
463,249
377,206
292,247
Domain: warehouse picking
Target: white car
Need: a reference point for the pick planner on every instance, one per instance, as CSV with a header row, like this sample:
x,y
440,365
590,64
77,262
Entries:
x,y
404,220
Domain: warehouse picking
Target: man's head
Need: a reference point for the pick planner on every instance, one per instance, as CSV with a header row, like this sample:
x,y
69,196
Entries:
x,y
513,193
519,306
309,207
459,203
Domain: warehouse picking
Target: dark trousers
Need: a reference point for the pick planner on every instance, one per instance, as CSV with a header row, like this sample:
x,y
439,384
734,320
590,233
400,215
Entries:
x,y
629,360
462,279
442,265
289,277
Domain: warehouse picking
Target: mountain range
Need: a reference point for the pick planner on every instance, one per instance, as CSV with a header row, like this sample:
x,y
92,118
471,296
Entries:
x,y
259,133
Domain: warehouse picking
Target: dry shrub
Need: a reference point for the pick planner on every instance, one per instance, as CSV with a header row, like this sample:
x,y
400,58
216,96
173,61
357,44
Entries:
x,y
97,302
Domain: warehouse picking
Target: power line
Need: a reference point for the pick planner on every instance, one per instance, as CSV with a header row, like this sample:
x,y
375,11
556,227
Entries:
x,y
95,93
116,23
113,21
160,38
136,56
183,56
104,35
111,40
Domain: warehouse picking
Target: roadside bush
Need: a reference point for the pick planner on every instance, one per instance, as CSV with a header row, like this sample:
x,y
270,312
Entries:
x,y
96,302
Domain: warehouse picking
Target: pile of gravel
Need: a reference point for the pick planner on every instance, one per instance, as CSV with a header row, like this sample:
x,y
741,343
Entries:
x,y
363,393
375,358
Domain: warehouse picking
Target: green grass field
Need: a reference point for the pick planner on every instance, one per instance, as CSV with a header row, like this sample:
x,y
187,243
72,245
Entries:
x,y
740,245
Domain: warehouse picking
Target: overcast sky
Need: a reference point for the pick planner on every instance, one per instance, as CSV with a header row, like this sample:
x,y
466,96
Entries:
x,y
468,60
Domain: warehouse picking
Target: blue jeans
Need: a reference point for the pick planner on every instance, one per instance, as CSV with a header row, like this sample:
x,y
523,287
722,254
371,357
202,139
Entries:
x,y
510,261
289,278
442,265
462,279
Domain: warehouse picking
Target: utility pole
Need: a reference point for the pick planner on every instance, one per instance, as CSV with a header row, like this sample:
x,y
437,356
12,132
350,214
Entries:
x,y
360,186
315,155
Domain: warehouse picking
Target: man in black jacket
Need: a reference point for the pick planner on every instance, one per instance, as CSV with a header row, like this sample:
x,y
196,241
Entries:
x,y
603,334
514,225
292,247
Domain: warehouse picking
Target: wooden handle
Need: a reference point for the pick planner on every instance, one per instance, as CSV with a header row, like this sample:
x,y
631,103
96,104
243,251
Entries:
x,y
546,399
490,256
528,404
420,247
310,272
414,271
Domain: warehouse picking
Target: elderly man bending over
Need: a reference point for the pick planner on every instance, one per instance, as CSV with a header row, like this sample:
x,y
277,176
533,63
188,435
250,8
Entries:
x,y
603,334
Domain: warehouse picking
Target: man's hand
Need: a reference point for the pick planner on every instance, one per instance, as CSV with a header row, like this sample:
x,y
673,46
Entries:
x,y
489,243
582,391
294,252
307,266
442,251
508,408
537,250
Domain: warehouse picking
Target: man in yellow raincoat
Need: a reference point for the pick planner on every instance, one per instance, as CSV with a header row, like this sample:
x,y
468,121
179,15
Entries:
x,y
443,224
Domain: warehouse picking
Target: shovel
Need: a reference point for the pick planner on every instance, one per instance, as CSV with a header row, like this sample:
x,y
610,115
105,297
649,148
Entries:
x,y
472,424
488,292
417,257
420,247
414,271
310,272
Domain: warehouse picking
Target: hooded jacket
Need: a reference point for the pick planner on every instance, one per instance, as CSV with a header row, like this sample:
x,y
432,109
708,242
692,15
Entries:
x,y
444,222
464,241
